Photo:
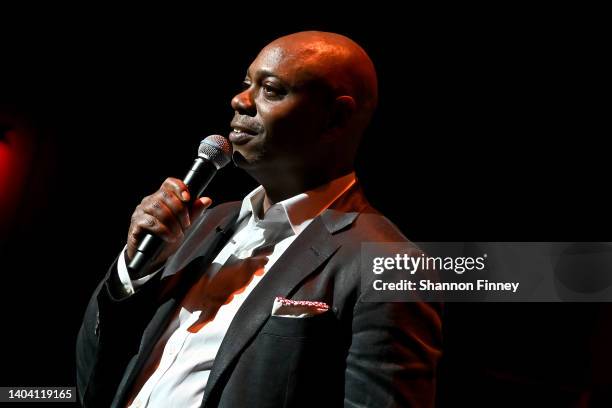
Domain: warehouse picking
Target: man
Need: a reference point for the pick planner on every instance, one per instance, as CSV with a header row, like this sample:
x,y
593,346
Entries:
x,y
258,304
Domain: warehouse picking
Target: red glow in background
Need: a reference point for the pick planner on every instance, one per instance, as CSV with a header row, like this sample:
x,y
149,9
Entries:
x,y
16,152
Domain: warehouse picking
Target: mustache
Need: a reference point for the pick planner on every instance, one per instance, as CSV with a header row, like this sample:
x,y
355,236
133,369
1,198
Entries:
x,y
246,123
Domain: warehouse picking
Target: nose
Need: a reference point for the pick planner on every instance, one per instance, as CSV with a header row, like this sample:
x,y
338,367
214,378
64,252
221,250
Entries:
x,y
243,103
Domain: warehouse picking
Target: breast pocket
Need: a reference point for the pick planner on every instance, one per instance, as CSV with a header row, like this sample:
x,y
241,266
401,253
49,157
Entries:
x,y
302,355
301,327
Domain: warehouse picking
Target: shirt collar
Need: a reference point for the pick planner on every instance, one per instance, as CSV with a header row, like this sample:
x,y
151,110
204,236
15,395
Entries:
x,y
297,211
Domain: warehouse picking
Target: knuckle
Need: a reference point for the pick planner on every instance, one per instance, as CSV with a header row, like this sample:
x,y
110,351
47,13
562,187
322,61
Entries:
x,y
160,212
155,206
149,221
171,182
174,204
174,180
145,202
138,215
167,196
132,240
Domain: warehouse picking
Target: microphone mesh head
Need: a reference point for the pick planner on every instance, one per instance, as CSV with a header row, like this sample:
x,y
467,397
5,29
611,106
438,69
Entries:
x,y
217,149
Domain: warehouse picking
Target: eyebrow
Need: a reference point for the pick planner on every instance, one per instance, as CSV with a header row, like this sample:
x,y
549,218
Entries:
x,y
264,73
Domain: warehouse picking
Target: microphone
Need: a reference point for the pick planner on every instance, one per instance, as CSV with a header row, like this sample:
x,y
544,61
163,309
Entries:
x,y
214,153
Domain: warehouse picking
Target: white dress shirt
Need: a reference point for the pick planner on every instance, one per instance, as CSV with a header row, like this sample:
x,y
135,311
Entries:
x,y
177,370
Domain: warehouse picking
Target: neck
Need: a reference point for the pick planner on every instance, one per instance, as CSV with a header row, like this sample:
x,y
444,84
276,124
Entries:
x,y
279,187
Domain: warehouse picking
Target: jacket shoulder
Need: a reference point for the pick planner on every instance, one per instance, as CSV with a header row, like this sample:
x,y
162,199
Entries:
x,y
373,226
355,219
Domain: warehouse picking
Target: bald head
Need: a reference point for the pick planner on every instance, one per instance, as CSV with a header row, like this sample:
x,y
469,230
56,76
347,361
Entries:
x,y
306,102
336,61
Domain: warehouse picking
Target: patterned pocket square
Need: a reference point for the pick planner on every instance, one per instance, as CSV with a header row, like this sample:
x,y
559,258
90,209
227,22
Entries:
x,y
297,308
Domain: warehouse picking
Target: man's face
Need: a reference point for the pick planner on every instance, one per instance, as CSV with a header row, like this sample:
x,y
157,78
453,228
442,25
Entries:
x,y
281,113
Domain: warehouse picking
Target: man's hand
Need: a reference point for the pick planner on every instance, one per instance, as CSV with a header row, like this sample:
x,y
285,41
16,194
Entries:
x,y
166,215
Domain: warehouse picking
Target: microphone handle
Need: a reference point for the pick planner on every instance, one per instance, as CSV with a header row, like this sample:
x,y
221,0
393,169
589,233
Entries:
x,y
199,176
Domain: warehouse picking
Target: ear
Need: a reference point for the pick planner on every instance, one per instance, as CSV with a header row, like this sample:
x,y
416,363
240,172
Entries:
x,y
342,112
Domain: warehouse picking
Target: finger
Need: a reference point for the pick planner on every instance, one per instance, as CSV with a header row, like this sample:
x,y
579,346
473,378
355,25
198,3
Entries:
x,y
149,224
178,188
199,206
176,206
164,215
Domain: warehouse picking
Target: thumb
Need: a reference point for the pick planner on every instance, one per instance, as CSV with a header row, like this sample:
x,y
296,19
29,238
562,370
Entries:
x,y
198,207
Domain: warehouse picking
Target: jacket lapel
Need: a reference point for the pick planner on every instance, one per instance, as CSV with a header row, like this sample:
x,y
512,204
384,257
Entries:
x,y
313,247
174,288
306,253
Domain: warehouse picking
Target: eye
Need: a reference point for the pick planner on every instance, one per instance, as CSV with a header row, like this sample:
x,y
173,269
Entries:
x,y
268,90
271,91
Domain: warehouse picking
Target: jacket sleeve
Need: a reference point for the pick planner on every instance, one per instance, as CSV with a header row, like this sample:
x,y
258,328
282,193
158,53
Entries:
x,y
394,351
110,336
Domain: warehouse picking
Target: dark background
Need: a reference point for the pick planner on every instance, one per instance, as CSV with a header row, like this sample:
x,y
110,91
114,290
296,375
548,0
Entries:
x,y
489,129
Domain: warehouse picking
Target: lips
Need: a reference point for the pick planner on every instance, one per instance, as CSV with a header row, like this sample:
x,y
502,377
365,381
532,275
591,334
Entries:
x,y
241,134
239,137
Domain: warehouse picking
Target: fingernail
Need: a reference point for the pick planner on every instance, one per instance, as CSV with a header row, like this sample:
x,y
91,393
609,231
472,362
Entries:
x,y
185,196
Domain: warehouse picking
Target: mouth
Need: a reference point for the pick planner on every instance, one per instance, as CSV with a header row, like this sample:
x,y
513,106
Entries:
x,y
241,135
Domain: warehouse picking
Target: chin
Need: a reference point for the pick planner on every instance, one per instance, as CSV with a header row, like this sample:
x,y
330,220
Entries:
x,y
245,160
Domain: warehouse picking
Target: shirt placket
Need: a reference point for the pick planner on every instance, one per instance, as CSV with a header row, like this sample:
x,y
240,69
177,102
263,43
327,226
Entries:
x,y
172,349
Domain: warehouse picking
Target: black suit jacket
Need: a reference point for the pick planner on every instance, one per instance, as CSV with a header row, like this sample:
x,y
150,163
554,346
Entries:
x,y
358,354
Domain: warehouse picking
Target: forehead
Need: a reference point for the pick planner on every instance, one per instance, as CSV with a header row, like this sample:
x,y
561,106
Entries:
x,y
293,65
